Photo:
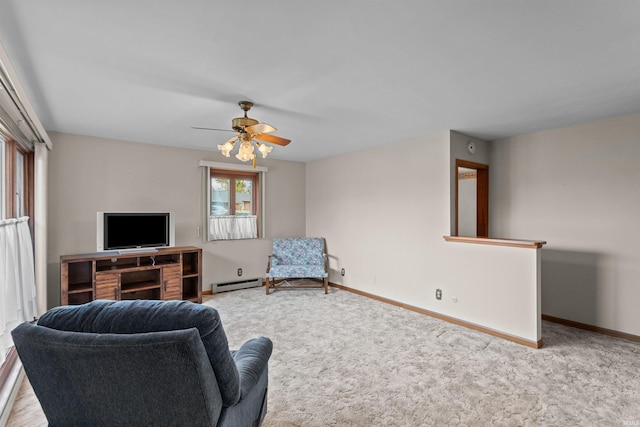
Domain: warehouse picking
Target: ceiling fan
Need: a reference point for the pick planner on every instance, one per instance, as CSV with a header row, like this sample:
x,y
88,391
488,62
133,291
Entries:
x,y
248,131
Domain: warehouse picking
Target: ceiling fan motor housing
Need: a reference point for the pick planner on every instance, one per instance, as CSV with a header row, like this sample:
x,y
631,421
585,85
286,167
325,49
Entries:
x,y
239,123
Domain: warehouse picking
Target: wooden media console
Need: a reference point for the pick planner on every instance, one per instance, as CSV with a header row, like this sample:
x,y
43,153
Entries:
x,y
166,273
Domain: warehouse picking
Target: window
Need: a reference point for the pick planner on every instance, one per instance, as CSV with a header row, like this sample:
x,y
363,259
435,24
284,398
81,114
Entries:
x,y
16,170
16,194
233,193
233,202
19,132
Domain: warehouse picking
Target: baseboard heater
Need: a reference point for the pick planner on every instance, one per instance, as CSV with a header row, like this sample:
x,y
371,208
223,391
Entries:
x,y
240,284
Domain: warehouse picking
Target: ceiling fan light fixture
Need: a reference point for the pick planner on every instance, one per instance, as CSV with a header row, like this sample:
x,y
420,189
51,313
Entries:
x,y
245,152
247,129
226,148
264,149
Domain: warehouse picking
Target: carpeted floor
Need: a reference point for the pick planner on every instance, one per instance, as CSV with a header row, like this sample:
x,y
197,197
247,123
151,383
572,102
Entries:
x,y
346,360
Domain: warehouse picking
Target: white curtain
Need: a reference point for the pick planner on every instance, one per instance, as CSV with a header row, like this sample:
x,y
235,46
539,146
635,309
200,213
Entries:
x,y
17,279
233,227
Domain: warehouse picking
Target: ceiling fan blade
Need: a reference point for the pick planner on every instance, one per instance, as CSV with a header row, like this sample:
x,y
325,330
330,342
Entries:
x,y
272,139
222,130
260,128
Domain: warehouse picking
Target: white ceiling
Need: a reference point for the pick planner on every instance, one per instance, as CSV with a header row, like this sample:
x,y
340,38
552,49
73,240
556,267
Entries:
x,y
333,75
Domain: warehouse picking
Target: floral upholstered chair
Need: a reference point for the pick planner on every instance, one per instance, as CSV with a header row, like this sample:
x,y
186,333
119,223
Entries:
x,y
300,258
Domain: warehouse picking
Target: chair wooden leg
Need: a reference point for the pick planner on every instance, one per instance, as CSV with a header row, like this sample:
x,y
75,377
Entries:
x,y
267,286
326,285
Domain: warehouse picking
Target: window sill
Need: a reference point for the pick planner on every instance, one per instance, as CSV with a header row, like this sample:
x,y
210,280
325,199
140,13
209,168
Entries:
x,y
528,244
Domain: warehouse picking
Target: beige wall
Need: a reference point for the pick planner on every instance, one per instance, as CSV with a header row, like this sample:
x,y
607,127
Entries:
x,y
577,188
87,175
384,212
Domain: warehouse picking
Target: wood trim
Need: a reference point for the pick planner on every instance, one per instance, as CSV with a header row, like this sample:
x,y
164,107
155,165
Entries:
x,y
455,204
199,284
528,244
591,328
470,165
456,321
482,203
10,175
209,292
11,150
99,255
29,190
255,202
287,287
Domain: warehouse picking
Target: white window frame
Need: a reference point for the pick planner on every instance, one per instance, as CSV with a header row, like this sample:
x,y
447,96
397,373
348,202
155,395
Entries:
x,y
3,181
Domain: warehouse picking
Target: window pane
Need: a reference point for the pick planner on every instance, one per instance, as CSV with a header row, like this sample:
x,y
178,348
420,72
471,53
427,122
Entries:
x,y
244,197
220,197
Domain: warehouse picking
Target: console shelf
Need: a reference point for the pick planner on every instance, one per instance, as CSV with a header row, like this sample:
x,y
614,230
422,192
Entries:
x,y
168,273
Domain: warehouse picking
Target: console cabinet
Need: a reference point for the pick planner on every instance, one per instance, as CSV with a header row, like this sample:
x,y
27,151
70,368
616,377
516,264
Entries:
x,y
168,273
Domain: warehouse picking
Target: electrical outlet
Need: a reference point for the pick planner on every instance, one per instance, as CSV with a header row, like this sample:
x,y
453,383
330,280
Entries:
x,y
342,272
438,294
239,272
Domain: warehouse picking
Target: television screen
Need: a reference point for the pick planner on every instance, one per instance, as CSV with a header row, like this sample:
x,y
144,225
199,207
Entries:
x,y
132,230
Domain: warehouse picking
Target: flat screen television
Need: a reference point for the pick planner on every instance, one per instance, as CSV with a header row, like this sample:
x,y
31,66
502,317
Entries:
x,y
134,230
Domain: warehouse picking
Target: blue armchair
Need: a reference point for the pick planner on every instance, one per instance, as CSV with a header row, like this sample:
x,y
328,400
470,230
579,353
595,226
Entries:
x,y
108,363
298,258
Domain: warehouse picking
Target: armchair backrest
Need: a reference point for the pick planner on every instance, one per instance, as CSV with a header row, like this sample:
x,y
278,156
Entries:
x,y
126,317
148,352
298,251
157,378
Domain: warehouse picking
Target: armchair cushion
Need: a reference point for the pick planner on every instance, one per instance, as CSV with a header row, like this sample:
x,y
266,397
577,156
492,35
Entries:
x,y
128,317
298,251
297,271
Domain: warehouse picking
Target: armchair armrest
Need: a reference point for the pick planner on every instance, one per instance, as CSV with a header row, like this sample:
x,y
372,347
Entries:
x,y
252,359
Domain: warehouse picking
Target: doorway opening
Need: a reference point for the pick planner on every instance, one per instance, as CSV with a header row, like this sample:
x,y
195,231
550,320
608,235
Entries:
x,y
472,199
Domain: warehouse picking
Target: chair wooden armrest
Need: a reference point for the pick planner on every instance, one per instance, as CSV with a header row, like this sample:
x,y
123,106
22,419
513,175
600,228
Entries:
x,y
269,262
